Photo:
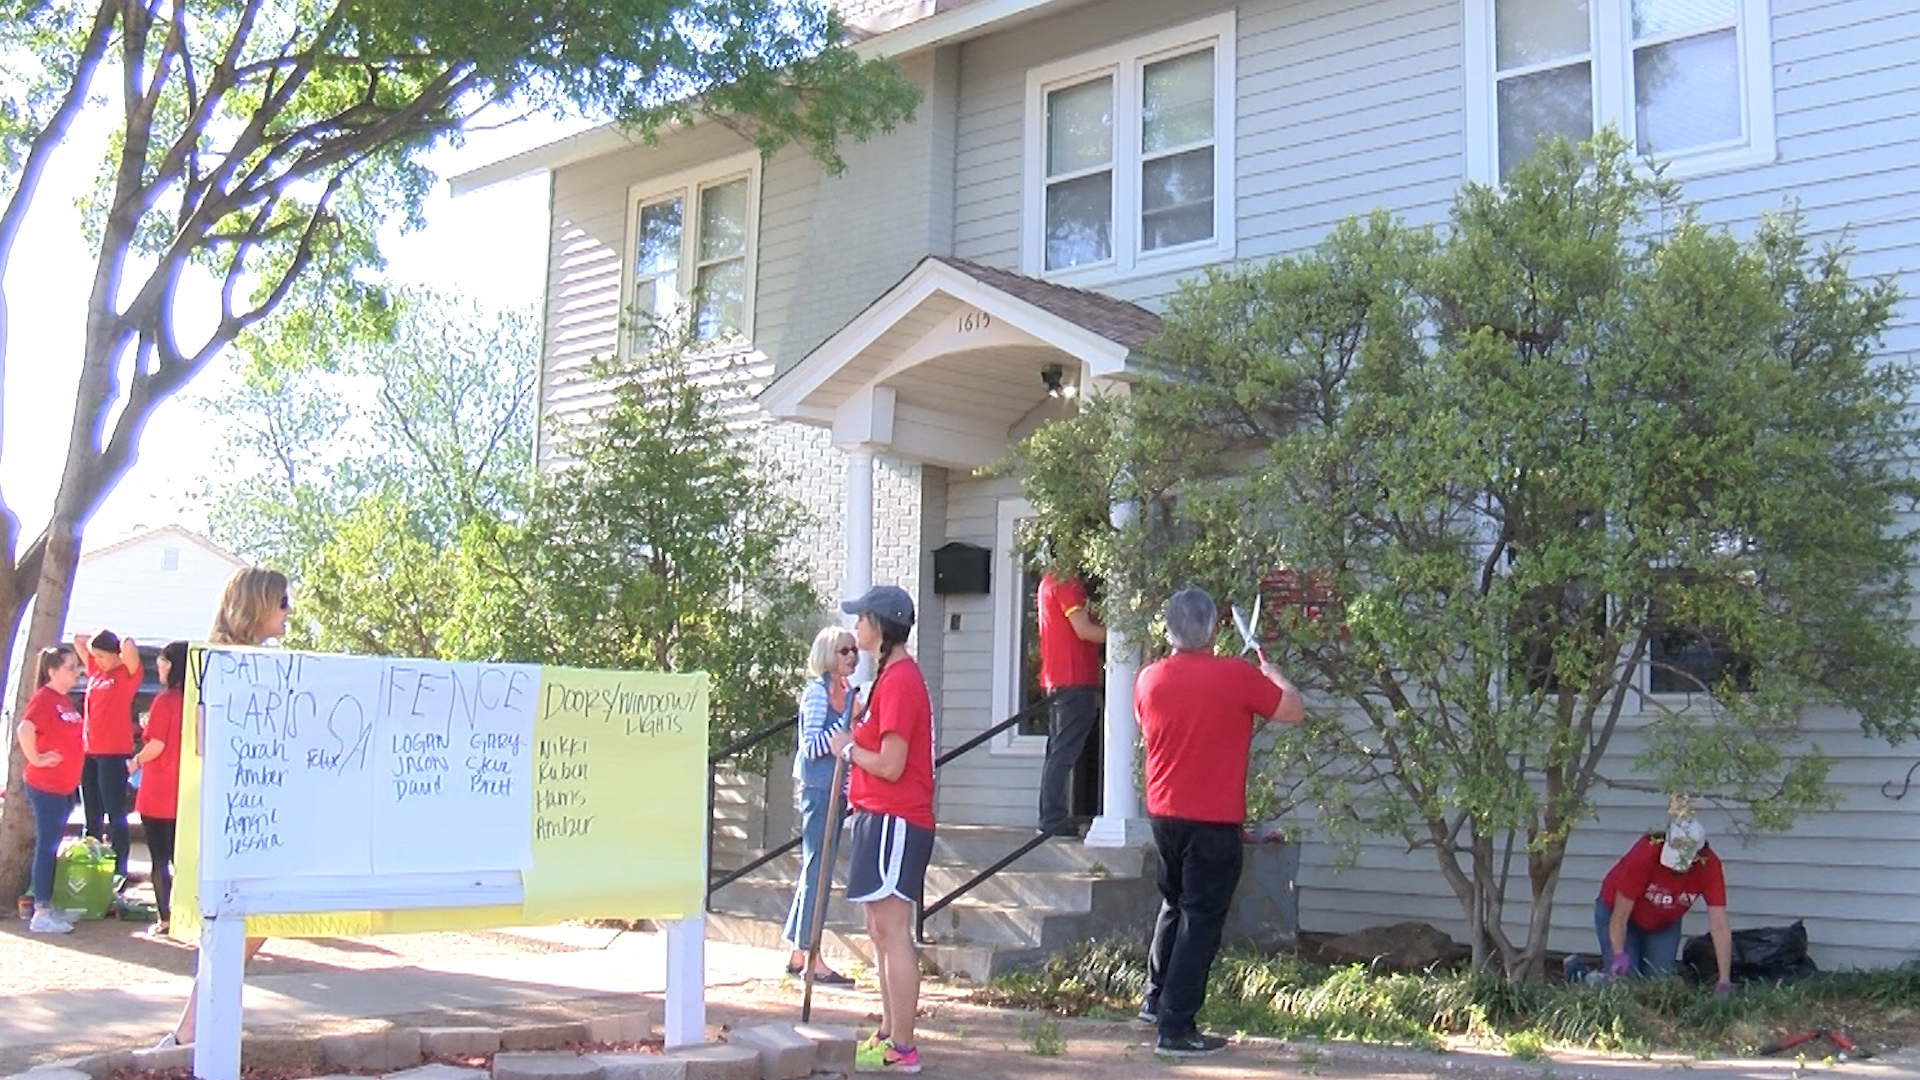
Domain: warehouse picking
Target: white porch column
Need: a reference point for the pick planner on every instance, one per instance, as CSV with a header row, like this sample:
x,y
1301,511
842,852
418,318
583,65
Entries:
x,y
1121,823
859,570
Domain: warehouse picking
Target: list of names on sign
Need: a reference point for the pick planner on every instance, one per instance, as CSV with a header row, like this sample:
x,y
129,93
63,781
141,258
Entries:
x,y
452,766
597,734
288,732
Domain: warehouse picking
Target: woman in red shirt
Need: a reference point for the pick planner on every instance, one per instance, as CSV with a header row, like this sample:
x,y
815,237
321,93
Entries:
x,y
113,675
49,737
157,801
890,754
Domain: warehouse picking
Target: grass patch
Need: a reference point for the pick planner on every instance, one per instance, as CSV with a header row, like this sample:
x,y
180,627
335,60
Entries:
x,y
1287,997
1043,1038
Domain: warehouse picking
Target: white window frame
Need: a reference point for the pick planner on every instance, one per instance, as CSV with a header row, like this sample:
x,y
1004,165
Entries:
x,y
1124,63
1613,92
687,186
1009,583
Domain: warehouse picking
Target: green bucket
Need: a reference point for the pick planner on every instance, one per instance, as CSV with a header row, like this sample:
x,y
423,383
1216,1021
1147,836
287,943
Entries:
x,y
83,879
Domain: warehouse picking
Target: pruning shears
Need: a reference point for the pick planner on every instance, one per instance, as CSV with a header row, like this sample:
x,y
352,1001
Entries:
x,y
1845,1045
1249,628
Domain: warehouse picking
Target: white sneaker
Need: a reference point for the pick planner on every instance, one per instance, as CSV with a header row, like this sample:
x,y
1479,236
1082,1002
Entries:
x,y
46,922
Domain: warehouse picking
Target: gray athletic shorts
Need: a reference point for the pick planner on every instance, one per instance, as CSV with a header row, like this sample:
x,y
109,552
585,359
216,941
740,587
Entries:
x,y
887,857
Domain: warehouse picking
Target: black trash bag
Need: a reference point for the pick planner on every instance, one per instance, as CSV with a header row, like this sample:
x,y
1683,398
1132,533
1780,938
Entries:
x,y
1774,954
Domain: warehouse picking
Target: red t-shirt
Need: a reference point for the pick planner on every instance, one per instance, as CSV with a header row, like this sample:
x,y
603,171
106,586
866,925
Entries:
x,y
56,726
1659,895
898,705
1196,713
109,707
159,794
1065,660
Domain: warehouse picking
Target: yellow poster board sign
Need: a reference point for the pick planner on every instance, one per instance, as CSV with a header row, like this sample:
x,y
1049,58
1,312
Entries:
x,y
591,785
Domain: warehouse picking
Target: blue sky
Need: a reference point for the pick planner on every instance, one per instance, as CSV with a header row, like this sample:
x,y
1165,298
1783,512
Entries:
x,y
489,244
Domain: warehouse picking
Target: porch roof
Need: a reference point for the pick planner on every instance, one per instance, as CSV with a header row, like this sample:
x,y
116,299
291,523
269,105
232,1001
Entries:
x,y
958,349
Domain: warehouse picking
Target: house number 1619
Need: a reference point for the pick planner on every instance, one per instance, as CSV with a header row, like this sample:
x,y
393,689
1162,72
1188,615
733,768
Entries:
x,y
971,321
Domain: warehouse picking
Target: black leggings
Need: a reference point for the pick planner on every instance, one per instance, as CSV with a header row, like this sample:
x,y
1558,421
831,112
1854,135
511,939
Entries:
x,y
160,844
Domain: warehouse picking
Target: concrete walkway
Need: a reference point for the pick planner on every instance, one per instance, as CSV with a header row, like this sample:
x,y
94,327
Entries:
x,y
957,1039
610,964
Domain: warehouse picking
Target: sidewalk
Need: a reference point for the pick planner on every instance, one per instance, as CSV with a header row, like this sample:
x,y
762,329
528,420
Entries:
x,y
601,972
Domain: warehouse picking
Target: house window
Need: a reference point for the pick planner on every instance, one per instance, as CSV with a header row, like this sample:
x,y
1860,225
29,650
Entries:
x,y
1130,156
1689,81
1685,657
691,254
170,558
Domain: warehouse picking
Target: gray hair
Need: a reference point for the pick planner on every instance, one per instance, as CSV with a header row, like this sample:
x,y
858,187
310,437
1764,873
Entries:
x,y
1191,617
820,658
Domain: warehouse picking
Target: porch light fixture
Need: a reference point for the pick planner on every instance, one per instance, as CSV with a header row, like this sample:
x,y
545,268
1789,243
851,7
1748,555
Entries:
x,y
1054,375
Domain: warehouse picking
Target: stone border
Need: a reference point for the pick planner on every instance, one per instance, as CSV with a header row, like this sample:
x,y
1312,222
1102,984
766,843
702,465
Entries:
x,y
525,1052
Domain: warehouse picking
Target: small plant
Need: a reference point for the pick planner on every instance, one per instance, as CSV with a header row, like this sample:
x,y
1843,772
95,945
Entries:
x,y
1043,1037
1310,1062
1099,870
1525,1046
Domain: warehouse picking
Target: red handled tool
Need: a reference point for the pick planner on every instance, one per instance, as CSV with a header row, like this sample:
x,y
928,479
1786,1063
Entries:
x,y
1839,1041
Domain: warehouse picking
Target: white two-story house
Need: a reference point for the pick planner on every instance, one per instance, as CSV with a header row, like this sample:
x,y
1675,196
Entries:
x,y
1071,163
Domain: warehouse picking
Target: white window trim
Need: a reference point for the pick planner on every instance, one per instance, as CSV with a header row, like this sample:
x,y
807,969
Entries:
x,y
1010,583
1124,62
1613,90
687,184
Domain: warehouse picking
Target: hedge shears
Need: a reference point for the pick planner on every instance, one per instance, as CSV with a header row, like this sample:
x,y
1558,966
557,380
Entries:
x,y
1249,629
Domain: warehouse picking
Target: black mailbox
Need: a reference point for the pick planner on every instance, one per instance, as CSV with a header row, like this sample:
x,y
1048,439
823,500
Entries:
x,y
960,567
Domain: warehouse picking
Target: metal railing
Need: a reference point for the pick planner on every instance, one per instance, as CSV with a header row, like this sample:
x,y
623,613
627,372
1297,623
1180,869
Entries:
x,y
741,745
714,761
1037,708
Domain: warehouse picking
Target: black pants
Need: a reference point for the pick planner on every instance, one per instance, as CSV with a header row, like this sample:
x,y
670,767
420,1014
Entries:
x,y
1071,713
1199,870
160,846
103,798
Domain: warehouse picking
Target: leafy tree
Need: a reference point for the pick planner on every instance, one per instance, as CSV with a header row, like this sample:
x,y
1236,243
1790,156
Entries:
x,y
1572,437
374,466
260,144
661,544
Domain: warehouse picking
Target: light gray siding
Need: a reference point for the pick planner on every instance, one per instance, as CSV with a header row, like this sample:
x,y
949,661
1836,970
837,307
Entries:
x,y
993,784
1342,108
829,246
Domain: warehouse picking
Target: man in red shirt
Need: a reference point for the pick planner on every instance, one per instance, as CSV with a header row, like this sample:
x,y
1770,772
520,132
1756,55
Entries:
x,y
1637,915
1071,672
1197,713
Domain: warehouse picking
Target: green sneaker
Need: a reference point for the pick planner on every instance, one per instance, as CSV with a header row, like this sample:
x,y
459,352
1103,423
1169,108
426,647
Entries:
x,y
870,1054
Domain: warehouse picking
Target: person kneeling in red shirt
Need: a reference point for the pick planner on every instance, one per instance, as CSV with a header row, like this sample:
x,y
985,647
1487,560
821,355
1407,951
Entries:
x,y
1637,915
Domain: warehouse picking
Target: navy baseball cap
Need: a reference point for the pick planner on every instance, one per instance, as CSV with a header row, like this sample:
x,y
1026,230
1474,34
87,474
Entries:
x,y
889,602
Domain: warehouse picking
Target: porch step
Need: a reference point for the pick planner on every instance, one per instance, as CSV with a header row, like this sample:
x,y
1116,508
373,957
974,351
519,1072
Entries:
x,y
1061,892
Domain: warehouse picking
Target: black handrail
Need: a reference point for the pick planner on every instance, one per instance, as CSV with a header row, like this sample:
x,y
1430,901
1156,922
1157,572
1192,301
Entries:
x,y
1027,713
714,759
747,742
716,884
1037,707
1008,860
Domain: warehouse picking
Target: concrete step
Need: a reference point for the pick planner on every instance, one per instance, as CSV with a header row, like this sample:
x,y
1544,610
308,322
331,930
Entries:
x,y
1061,891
